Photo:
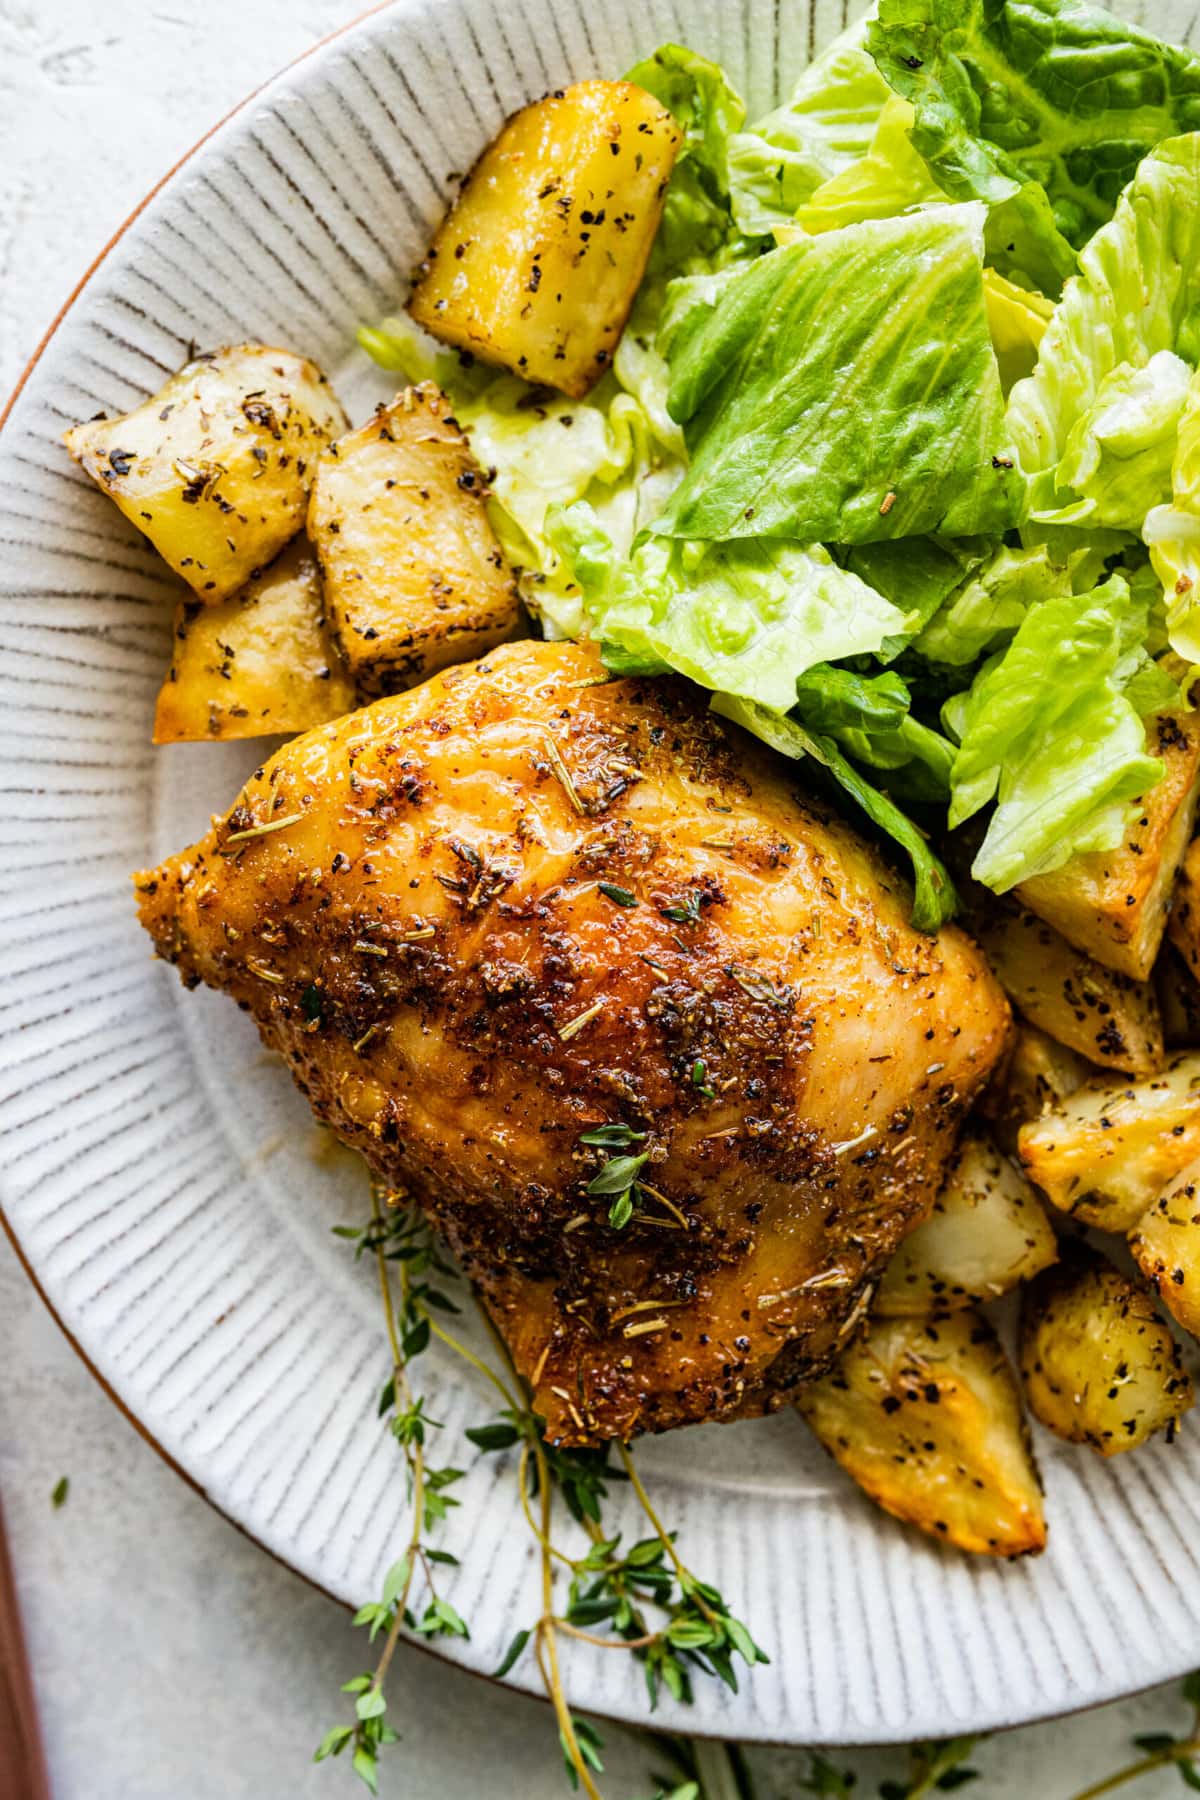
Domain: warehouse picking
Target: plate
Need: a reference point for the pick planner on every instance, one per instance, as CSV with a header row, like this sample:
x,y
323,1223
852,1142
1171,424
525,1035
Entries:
x,y
162,1179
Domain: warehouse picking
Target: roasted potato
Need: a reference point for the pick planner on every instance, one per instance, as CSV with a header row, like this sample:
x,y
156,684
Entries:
x,y
1114,904
987,1231
258,663
1037,1073
1099,1365
1178,1000
1166,1247
1104,1016
414,577
215,468
1184,922
1107,1151
925,1414
538,260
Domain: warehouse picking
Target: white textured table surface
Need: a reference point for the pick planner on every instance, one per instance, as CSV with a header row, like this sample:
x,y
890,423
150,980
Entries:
x,y
175,1661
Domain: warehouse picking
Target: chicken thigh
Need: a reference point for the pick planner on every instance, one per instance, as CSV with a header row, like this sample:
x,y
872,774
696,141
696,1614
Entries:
x,y
487,917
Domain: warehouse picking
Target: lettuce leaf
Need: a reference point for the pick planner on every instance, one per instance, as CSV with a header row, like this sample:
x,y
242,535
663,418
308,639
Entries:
x,y
748,617
891,178
826,124
1022,95
1136,296
818,404
934,899
1017,320
1052,729
917,574
991,605
1173,535
870,717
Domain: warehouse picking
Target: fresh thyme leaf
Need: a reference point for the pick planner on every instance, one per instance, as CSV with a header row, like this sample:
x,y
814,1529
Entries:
x,y
700,1079
621,1211
617,1175
1191,1688
312,1004
62,1488
334,1742
1189,1775
620,895
612,1137
493,1437
513,1654
686,912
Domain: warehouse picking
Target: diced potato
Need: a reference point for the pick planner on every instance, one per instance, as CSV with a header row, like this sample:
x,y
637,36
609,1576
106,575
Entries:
x,y
1104,1016
1036,1075
215,468
1099,1365
414,577
538,260
925,1415
261,662
1166,1247
1184,923
987,1231
1114,904
1107,1151
1178,1000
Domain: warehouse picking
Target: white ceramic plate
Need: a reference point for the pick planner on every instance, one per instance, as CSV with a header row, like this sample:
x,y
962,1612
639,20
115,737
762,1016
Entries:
x,y
159,1171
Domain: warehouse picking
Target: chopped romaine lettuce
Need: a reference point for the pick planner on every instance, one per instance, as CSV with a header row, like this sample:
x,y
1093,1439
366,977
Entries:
x,y
934,899
1137,294
1056,94
991,605
870,716
1052,729
917,574
1173,535
826,125
1017,320
747,617
1116,461
891,178
818,405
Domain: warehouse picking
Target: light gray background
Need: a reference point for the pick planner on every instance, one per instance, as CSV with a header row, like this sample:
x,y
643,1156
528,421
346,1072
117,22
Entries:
x,y
175,1661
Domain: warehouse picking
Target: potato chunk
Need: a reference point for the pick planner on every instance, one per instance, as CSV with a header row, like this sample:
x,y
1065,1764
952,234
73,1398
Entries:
x,y
1104,1016
215,468
1099,1365
1166,1247
414,577
258,663
925,1414
1184,923
1114,904
538,260
1106,1152
987,1231
1037,1074
1178,1000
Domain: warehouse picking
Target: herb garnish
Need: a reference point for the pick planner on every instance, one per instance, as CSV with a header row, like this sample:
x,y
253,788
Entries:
x,y
62,1488
620,895
686,912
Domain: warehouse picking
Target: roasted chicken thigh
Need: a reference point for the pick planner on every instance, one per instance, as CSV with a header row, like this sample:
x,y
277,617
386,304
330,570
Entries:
x,y
487,917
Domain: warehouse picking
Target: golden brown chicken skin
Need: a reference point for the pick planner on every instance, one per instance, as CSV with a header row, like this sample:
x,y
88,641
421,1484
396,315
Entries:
x,y
524,901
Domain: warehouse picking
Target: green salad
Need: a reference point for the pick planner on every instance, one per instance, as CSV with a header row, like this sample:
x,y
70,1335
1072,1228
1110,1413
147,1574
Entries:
x,y
899,454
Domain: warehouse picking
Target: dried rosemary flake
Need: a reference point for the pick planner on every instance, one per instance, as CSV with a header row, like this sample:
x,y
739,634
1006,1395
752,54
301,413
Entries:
x,y
564,774
264,973
641,1306
368,1034
864,1137
574,1026
576,1223
369,949
644,1327
257,831
724,844
425,931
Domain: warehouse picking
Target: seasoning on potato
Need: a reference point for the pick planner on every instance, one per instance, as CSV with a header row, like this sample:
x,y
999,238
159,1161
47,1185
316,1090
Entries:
x,y
216,467
1099,1365
537,263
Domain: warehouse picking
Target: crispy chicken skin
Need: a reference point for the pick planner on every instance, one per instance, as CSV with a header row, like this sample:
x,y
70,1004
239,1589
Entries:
x,y
438,937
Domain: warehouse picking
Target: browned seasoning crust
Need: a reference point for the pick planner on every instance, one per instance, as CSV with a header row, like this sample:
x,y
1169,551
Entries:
x,y
435,932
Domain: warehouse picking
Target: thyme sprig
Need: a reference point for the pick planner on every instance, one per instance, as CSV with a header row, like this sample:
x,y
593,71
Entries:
x,y
1162,1750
